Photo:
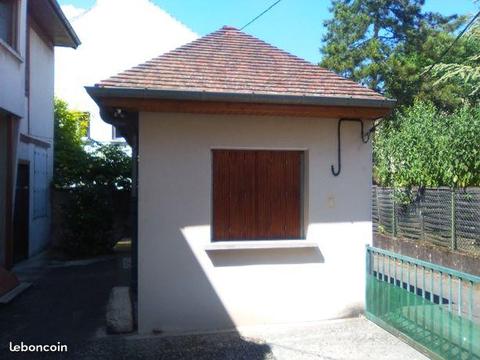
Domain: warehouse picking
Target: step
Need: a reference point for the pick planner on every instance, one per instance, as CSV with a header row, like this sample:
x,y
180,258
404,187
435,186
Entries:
x,y
12,294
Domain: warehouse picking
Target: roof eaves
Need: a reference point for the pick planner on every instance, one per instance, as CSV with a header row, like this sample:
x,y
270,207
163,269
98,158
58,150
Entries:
x,y
68,27
98,92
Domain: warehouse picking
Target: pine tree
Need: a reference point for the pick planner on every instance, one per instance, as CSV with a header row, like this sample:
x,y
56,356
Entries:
x,y
363,35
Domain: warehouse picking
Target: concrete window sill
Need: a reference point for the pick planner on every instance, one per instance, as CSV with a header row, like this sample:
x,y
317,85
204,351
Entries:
x,y
259,244
14,53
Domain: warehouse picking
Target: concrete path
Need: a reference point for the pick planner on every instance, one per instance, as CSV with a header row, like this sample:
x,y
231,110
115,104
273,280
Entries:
x,y
67,302
355,338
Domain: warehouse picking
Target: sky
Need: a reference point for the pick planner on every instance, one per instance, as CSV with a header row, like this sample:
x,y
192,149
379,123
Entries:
x,y
109,46
292,25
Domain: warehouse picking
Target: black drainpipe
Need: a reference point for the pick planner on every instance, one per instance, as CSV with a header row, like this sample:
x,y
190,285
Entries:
x,y
134,211
127,123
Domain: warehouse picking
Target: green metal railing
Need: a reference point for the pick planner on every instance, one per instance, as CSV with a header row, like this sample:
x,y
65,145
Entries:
x,y
434,308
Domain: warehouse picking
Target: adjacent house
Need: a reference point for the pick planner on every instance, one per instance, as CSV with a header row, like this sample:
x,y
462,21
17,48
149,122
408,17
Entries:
x,y
29,31
254,184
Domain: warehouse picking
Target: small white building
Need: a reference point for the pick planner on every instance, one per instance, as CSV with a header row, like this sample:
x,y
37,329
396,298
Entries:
x,y
29,31
242,219
116,35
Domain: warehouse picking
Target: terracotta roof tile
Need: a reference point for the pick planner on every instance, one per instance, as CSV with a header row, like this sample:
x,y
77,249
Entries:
x,y
230,61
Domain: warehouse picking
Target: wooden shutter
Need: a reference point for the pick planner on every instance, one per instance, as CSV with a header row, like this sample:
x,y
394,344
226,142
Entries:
x,y
256,194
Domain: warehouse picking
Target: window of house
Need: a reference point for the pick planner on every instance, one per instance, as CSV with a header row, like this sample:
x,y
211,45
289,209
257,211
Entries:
x,y
116,134
257,194
8,23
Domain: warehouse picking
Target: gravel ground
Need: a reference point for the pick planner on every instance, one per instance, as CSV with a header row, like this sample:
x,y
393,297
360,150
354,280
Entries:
x,y
332,340
67,303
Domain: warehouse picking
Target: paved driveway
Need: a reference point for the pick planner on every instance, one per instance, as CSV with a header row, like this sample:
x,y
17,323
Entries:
x,y
355,338
67,304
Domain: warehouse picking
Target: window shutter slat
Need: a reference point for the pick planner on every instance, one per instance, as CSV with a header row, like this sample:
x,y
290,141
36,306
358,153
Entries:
x,y
220,195
293,189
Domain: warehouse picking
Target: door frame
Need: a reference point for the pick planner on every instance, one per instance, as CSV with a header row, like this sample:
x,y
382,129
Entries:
x,y
14,239
9,194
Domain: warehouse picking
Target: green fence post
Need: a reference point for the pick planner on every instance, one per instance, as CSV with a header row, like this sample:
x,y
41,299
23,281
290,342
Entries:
x,y
422,219
453,222
368,271
394,218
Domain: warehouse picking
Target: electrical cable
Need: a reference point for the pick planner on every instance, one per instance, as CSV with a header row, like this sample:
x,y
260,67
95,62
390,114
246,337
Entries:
x,y
423,75
260,15
451,45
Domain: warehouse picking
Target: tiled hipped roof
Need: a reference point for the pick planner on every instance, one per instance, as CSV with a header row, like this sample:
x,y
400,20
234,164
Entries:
x,y
230,61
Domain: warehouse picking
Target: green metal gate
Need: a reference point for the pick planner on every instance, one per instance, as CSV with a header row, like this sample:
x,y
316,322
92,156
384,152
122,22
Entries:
x,y
433,308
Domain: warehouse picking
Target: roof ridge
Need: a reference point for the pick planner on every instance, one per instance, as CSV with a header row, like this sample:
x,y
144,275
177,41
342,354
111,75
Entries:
x,y
285,52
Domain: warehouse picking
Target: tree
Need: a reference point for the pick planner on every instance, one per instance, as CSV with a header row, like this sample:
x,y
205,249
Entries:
x,y
424,146
375,41
463,71
406,78
83,162
109,166
70,128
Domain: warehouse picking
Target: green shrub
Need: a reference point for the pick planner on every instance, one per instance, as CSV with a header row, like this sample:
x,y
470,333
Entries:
x,y
89,173
89,221
423,146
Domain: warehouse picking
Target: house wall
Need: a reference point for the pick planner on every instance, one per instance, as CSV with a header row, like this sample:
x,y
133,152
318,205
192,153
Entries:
x,y
12,69
3,184
41,87
12,102
33,112
39,125
183,287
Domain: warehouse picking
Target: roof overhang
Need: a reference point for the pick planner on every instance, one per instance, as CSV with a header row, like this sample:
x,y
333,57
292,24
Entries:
x,y
50,17
239,103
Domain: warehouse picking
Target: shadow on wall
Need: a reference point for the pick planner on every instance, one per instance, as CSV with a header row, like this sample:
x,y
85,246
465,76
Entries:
x,y
266,256
179,290
175,297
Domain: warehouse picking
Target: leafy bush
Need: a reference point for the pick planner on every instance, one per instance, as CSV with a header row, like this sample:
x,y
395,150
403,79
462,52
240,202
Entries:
x,y
423,146
90,172
89,221
106,165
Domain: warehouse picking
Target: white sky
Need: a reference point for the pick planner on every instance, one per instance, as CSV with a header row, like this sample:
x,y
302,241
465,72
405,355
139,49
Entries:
x,y
71,11
115,35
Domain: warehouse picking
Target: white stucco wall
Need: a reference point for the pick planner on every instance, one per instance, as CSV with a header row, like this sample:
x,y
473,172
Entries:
x,y
182,287
34,114
12,69
41,87
40,125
